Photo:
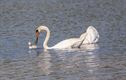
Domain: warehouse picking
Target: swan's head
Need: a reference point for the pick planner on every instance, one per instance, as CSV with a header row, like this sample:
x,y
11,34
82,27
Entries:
x,y
38,30
89,28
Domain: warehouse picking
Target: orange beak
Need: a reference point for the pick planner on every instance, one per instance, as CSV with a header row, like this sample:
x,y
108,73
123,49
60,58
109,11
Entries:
x,y
37,35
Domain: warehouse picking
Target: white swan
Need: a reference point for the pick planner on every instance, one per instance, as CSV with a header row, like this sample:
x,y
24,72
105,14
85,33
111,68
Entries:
x,y
90,36
61,45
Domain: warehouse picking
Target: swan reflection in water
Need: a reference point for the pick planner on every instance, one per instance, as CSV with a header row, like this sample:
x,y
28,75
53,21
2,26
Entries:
x,y
61,63
42,60
44,63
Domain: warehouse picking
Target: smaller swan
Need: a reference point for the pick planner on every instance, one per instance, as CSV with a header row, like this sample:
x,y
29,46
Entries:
x,y
61,45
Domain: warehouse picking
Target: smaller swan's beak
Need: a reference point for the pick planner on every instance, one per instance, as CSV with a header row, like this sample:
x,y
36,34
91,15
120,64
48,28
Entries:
x,y
37,35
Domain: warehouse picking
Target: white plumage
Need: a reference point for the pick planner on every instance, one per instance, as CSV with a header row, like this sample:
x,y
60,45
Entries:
x,y
90,36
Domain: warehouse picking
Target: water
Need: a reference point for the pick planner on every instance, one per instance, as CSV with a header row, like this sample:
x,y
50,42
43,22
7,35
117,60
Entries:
x,y
65,19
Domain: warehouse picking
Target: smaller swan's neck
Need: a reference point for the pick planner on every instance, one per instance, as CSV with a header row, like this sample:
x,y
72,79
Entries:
x,y
45,44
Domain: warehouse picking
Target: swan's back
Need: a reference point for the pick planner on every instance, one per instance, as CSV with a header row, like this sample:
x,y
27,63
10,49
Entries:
x,y
65,43
91,35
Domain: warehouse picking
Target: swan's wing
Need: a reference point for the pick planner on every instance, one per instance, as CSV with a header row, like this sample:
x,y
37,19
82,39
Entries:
x,y
76,45
82,35
79,43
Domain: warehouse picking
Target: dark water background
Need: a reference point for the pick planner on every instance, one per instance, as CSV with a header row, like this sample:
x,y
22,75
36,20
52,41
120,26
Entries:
x,y
65,19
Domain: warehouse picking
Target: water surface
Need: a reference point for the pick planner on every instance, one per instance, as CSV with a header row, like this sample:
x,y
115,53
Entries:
x,y
65,19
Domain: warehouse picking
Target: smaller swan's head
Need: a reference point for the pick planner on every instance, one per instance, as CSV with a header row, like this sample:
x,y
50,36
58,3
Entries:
x,y
38,30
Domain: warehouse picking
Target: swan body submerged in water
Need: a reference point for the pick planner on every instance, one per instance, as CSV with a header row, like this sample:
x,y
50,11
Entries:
x,y
90,36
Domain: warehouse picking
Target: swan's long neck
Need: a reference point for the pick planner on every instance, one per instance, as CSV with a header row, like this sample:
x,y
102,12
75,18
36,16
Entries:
x,y
45,44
